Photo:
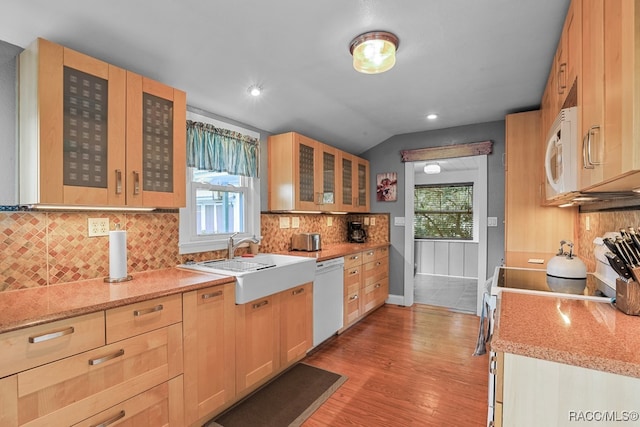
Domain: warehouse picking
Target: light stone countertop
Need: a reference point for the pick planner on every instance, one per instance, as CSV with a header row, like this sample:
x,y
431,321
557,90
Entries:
x,y
34,306
589,334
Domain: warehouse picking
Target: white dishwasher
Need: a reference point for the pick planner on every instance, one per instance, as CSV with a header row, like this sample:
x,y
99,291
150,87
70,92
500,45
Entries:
x,y
328,299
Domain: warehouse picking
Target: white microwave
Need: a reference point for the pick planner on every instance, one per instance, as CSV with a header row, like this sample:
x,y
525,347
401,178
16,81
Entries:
x,y
561,157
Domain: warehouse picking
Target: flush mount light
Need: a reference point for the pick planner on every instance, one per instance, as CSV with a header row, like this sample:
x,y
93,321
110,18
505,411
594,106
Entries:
x,y
374,52
432,116
254,90
432,168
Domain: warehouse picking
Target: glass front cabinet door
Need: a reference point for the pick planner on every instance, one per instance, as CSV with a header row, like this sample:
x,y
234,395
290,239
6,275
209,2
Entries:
x,y
77,146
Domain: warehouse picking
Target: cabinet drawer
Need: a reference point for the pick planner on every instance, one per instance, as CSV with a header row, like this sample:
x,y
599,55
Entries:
x,y
375,294
154,407
135,319
382,253
352,260
26,348
351,307
80,386
369,255
352,279
375,271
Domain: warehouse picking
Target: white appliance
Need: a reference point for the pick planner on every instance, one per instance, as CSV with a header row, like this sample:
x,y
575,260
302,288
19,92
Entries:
x,y
328,299
561,156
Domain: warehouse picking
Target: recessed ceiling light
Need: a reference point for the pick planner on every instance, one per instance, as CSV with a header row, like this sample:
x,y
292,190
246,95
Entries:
x,y
432,116
255,90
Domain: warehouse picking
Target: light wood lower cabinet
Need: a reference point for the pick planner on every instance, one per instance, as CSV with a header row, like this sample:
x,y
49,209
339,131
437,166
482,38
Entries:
x,y
209,351
366,283
296,323
74,378
272,333
544,393
257,342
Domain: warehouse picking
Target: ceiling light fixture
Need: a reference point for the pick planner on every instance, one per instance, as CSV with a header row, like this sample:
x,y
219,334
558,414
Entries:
x,y
432,116
374,52
255,90
432,168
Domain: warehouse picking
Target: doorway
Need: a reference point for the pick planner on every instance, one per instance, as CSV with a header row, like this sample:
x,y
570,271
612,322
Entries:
x,y
411,293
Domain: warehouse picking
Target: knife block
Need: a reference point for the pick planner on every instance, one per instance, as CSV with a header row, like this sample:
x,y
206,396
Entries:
x,y
628,297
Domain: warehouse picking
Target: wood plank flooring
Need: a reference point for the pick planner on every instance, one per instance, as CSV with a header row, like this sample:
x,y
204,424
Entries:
x,y
406,367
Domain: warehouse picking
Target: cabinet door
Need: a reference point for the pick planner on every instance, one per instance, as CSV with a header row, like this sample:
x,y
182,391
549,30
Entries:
x,y
209,351
329,179
156,144
349,174
72,126
523,200
296,323
361,184
308,163
257,342
592,75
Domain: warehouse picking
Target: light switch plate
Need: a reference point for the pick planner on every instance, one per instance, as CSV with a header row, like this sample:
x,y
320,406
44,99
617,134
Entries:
x,y
492,221
399,220
295,222
329,221
372,221
366,220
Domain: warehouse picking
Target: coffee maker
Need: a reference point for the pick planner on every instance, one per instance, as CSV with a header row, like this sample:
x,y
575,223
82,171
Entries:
x,y
356,233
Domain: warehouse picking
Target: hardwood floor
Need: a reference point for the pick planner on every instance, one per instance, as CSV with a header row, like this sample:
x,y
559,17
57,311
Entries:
x,y
406,367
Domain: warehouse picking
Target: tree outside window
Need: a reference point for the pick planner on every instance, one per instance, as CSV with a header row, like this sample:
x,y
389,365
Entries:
x,y
443,211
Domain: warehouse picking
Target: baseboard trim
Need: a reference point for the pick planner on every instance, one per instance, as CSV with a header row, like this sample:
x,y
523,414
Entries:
x,y
395,299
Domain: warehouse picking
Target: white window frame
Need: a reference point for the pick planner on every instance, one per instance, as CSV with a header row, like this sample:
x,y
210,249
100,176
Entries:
x,y
189,241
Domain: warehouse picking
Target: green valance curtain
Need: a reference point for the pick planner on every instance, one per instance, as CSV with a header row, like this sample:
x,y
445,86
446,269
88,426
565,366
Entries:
x,y
221,150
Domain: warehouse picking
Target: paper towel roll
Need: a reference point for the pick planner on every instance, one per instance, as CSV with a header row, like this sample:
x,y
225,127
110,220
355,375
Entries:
x,y
117,254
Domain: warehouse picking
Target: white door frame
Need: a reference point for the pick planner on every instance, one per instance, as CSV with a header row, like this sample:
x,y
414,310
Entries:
x,y
409,261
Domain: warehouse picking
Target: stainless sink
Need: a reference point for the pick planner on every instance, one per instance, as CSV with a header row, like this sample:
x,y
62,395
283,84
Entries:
x,y
262,275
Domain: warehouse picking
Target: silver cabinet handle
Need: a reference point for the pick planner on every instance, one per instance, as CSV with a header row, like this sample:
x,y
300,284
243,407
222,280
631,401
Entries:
x,y
111,420
51,335
212,295
355,297
353,272
562,72
297,291
100,360
260,304
136,183
158,307
370,253
590,161
118,181
354,257
377,285
378,263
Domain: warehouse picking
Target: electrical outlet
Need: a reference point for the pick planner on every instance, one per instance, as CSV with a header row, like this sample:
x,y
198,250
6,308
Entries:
x,y
372,221
295,222
98,227
329,221
366,220
284,222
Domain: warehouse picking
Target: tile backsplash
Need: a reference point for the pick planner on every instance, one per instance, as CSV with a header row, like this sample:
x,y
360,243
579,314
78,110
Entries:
x,y
47,248
600,223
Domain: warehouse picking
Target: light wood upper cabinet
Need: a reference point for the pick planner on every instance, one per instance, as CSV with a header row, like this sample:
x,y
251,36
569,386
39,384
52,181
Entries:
x,y
209,351
156,141
308,175
610,96
78,142
531,230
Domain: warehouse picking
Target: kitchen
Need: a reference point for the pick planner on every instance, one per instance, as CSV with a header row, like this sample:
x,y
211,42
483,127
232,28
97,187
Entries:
x,y
59,237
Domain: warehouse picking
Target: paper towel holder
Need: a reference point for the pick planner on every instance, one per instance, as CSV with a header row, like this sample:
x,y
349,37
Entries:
x,y
127,277
118,280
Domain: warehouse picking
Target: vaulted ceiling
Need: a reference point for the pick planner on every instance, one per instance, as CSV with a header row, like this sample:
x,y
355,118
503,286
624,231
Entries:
x,y
468,61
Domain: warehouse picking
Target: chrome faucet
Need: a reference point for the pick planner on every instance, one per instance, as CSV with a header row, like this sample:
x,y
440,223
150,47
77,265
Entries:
x,y
232,246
